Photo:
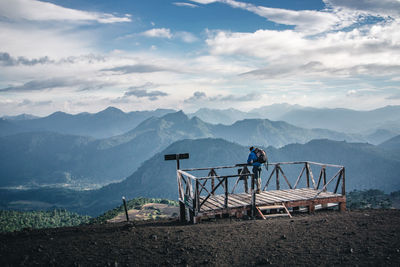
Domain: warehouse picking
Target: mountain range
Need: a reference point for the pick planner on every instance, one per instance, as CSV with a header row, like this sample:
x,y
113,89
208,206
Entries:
x,y
46,158
376,126
104,124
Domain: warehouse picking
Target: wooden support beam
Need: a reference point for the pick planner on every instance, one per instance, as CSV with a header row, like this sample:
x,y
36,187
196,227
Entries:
x,y
310,173
269,179
197,197
343,182
226,192
298,178
338,182
277,177
284,176
320,177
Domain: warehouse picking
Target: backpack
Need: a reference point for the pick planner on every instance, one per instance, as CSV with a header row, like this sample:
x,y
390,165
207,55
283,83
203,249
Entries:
x,y
261,155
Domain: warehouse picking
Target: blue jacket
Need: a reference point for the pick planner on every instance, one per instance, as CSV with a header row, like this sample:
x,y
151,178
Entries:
x,y
253,159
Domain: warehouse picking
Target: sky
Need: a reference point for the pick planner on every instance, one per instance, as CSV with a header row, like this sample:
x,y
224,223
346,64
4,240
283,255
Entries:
x,y
85,55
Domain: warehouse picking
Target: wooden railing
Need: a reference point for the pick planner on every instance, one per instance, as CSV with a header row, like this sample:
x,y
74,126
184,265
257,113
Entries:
x,y
190,187
339,176
195,191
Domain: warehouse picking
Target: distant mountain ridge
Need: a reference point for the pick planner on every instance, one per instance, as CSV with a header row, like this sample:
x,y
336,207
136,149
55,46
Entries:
x,y
375,125
43,157
104,124
344,120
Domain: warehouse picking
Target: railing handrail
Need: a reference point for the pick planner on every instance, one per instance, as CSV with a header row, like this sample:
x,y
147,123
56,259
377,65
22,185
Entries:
x,y
211,177
269,164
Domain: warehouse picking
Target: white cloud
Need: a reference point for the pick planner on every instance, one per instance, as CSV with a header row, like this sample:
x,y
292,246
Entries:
x,y
378,8
183,4
204,2
158,33
360,51
32,41
43,11
186,37
307,21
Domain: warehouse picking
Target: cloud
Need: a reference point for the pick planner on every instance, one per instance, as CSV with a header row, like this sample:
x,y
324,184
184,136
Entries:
x,y
306,21
317,69
201,96
235,97
186,37
33,10
204,2
147,85
7,60
53,83
377,8
393,97
359,51
158,33
140,93
183,4
27,102
138,68
196,96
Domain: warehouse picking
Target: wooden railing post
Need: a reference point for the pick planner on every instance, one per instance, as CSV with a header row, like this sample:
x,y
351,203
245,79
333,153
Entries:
x,y
277,177
197,196
211,173
226,192
343,183
307,174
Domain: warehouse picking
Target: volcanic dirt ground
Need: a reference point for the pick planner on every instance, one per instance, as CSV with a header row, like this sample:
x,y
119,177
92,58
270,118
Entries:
x,y
363,238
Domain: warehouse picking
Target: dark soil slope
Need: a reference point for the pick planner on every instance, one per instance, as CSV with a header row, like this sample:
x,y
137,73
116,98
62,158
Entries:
x,y
364,238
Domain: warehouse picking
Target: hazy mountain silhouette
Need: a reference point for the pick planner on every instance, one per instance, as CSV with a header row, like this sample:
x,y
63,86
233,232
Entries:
x,y
276,133
46,157
375,126
37,158
106,123
223,116
20,117
345,120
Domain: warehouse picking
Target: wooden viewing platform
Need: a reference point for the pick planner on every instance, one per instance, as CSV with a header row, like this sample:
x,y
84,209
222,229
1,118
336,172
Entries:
x,y
213,194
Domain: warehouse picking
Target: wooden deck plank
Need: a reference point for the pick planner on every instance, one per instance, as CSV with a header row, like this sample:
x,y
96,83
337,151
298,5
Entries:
x,y
267,198
272,196
302,195
231,202
239,200
291,197
276,194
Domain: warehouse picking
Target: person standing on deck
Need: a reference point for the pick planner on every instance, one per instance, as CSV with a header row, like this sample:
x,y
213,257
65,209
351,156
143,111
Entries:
x,y
253,160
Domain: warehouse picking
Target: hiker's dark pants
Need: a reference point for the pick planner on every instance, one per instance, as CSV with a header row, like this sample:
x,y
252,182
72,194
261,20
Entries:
x,y
257,177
